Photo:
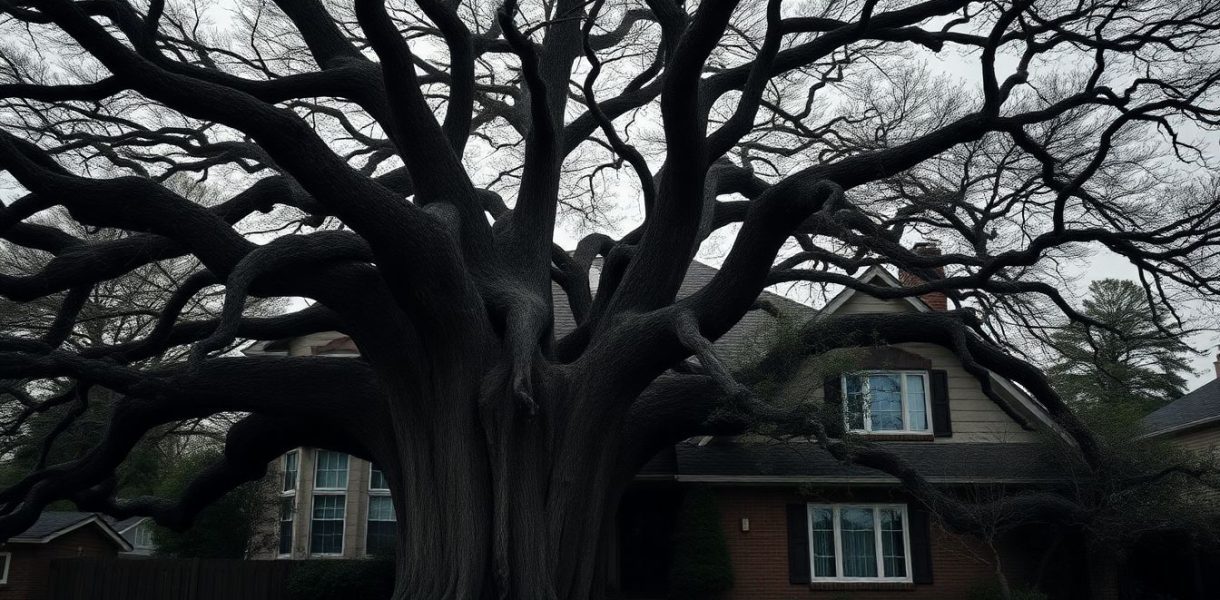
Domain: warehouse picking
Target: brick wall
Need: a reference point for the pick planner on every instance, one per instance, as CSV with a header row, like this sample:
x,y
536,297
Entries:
x,y
30,569
760,556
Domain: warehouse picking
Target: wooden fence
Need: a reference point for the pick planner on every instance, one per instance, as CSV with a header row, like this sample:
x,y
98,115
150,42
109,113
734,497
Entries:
x,y
169,579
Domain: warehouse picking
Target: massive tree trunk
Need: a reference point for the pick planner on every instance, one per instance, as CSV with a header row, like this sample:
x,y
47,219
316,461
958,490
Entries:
x,y
500,498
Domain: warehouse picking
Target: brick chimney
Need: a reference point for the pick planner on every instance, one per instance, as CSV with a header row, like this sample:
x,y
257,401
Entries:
x,y
936,300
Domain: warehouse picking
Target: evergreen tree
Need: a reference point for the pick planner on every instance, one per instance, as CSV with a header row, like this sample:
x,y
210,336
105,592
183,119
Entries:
x,y
1139,363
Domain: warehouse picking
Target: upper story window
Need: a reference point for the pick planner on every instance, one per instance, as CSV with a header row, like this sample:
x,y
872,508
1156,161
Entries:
x,y
291,466
859,542
377,480
886,401
330,471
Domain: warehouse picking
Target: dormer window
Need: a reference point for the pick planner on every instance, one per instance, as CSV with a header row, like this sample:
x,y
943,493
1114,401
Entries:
x,y
886,401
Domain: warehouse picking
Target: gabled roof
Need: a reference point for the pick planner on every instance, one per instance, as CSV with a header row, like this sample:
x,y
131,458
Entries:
x,y
1021,407
874,272
52,524
1196,409
123,525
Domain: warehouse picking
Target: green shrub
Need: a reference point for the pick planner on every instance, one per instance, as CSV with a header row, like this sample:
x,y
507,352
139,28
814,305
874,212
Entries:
x,y
342,580
701,567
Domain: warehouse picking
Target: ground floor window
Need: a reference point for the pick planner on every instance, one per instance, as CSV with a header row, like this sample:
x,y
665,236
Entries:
x,y
5,559
326,529
859,542
382,527
287,514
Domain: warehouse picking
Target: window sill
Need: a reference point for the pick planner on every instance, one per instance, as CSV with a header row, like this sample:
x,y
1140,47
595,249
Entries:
x,y
831,586
897,436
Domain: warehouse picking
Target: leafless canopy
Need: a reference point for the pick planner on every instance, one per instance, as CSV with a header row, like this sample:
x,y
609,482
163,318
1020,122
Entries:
x,y
416,158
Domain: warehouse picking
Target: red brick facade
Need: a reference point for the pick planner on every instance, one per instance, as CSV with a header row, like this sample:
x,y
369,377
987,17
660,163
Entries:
x,y
760,556
30,565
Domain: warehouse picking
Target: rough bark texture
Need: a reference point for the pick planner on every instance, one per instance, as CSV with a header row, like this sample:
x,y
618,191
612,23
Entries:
x,y
507,444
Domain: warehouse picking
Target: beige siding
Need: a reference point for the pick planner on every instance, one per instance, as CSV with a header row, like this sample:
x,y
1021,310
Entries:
x,y
355,509
975,417
1202,441
863,303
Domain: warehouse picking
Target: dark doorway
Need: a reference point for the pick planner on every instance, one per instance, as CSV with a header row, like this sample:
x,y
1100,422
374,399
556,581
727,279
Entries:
x,y
646,521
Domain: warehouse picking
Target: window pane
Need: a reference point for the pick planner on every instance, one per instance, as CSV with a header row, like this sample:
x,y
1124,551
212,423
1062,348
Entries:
x,y
917,403
287,510
377,480
859,543
823,523
885,402
327,527
854,394
893,550
290,471
381,526
381,539
331,470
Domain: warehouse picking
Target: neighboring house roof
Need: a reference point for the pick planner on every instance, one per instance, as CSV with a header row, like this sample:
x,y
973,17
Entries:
x,y
52,524
123,525
743,461
1196,409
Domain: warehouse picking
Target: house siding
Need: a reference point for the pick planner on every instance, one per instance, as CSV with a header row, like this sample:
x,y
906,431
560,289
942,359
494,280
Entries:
x,y
354,515
30,570
1202,441
860,303
974,416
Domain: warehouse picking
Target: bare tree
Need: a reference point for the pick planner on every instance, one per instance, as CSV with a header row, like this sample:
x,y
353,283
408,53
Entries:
x,y
417,158
121,310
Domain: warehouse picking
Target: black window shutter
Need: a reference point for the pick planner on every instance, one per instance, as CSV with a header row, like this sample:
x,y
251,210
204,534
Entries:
x,y
832,391
921,544
798,543
942,423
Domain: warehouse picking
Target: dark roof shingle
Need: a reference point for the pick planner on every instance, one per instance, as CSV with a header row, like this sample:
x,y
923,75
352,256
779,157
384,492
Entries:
x,y
807,461
1199,406
51,521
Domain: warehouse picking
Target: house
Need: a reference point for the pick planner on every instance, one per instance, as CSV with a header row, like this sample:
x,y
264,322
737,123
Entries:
x,y
25,560
1186,563
1191,422
798,524
138,531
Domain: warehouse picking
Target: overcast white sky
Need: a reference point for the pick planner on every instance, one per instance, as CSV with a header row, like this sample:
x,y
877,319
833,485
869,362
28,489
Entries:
x,y
1101,265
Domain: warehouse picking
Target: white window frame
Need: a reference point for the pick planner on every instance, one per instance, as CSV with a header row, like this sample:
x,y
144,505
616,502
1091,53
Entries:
x,y
368,509
296,510
296,477
347,476
373,490
838,542
330,491
296,504
142,537
8,562
906,415
343,522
